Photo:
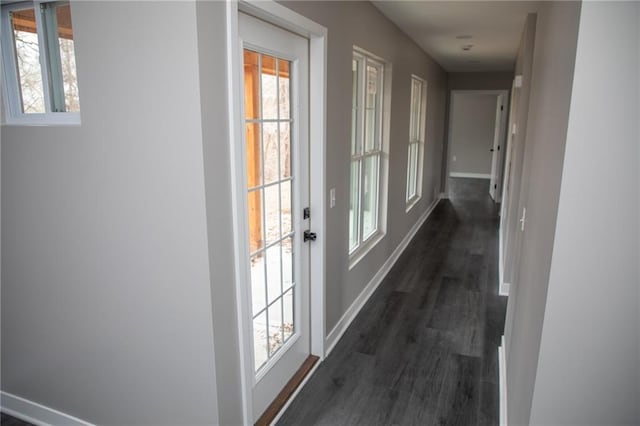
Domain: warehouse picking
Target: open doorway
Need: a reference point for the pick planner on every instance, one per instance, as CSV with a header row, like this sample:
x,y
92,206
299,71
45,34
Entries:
x,y
477,133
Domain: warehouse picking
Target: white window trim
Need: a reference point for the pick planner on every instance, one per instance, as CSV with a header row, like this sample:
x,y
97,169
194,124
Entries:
x,y
13,114
364,247
412,201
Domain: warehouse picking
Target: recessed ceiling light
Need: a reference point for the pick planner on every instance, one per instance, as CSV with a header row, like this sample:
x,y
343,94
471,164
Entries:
x,y
467,47
464,36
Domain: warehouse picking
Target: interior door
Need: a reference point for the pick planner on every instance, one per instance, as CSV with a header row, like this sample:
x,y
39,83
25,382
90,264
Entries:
x,y
496,150
275,75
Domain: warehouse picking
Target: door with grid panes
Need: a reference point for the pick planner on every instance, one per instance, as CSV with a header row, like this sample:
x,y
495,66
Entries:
x,y
275,107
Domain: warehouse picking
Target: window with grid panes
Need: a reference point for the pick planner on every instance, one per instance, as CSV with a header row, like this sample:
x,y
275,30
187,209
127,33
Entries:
x,y
38,54
268,121
366,151
416,140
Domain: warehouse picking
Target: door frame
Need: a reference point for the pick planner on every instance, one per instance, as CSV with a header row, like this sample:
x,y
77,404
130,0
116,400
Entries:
x,y
499,141
503,244
280,16
503,131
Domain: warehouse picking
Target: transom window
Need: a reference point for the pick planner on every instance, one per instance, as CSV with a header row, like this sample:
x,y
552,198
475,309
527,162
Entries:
x,y
366,151
416,140
39,63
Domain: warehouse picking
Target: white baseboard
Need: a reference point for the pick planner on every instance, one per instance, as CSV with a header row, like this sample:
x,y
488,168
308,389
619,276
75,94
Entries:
x,y
470,175
502,371
504,289
336,333
500,263
35,413
444,196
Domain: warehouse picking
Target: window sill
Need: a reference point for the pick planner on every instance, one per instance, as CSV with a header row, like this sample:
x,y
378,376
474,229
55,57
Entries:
x,y
48,119
362,251
412,202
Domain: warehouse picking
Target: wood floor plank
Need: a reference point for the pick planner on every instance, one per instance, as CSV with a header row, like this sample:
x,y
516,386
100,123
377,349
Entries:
x,y
459,396
7,420
423,349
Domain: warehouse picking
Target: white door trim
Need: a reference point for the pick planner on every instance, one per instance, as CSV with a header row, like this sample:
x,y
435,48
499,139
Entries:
x,y
272,12
503,131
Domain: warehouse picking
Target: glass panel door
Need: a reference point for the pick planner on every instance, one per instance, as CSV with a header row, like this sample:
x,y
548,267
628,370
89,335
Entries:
x,y
268,123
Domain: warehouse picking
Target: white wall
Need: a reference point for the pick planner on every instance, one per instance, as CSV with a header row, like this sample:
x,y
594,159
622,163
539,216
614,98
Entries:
x,y
106,301
511,196
217,173
473,121
539,191
589,365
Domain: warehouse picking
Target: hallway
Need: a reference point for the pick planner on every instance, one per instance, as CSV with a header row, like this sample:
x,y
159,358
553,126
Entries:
x,y
423,350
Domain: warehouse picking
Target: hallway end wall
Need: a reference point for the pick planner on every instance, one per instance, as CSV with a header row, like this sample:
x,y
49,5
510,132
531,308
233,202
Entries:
x,y
498,80
473,123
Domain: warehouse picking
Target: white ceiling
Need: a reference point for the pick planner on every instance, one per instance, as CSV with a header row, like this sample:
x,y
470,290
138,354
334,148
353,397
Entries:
x,y
495,27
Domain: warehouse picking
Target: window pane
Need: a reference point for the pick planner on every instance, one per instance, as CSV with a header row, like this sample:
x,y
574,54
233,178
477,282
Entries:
x,y
270,150
370,129
276,332
251,85
272,213
287,320
67,58
371,110
285,206
372,87
416,153
254,155
409,174
412,171
269,88
260,340
274,289
285,150
28,60
254,204
354,205
284,87
354,106
370,197
414,104
287,263
418,118
258,293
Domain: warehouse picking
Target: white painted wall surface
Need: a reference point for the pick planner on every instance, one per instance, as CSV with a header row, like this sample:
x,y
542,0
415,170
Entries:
x,y
589,364
473,120
546,132
106,301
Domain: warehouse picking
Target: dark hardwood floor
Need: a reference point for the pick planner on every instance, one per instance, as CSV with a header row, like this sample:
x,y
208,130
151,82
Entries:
x,y
423,350
8,420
